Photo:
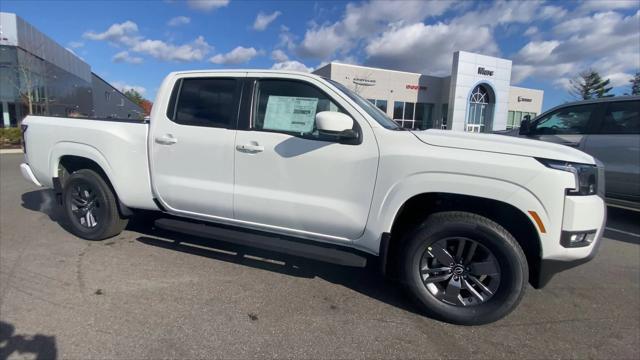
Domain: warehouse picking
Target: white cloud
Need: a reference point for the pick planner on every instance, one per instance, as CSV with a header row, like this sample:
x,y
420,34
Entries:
x,y
122,33
122,86
194,51
126,34
608,42
323,42
618,78
591,5
531,30
207,5
291,65
76,44
427,48
239,55
279,55
362,21
124,56
179,20
263,20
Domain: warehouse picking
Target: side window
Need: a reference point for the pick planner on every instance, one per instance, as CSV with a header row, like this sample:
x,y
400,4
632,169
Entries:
x,y
207,102
622,118
569,120
291,107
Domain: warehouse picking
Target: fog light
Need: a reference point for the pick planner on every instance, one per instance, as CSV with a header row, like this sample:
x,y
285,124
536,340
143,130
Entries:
x,y
577,238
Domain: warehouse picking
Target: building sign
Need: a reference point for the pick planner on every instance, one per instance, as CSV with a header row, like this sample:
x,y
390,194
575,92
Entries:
x,y
416,87
483,71
523,99
364,82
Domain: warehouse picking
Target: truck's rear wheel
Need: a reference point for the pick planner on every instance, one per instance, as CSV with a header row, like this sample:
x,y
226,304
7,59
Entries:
x,y
91,207
464,268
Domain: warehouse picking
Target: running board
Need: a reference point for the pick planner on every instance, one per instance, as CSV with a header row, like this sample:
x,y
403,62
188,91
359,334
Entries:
x,y
265,241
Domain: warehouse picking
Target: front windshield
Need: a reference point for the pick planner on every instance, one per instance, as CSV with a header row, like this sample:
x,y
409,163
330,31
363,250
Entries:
x,y
378,115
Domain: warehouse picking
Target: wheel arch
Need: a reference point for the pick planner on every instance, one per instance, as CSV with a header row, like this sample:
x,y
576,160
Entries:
x,y
67,164
418,207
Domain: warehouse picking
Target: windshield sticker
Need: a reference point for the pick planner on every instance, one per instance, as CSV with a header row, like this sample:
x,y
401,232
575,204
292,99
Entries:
x,y
288,113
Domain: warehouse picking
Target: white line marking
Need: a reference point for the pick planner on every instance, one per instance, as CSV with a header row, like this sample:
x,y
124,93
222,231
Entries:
x,y
623,232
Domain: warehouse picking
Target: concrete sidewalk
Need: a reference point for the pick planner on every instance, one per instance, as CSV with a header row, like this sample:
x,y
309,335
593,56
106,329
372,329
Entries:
x,y
10,151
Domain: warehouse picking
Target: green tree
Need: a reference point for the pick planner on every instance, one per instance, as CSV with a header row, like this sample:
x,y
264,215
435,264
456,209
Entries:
x,y
635,84
134,96
589,85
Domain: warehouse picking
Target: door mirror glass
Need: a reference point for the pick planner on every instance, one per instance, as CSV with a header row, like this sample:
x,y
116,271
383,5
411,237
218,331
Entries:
x,y
335,123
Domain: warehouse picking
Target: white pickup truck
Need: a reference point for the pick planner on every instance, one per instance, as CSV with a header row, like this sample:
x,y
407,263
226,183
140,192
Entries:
x,y
300,164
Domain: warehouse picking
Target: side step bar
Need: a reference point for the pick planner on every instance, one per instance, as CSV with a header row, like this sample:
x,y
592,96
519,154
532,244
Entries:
x,y
265,241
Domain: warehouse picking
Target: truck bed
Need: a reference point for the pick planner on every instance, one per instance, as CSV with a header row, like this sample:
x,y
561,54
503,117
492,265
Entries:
x,y
111,143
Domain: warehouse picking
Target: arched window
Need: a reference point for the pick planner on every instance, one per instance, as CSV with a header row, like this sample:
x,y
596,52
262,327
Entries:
x,y
480,110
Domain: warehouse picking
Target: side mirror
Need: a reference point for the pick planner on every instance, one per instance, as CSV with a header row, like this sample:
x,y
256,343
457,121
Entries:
x,y
525,125
335,123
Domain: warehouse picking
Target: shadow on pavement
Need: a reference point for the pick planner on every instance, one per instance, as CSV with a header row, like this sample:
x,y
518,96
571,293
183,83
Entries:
x,y
623,225
37,346
367,281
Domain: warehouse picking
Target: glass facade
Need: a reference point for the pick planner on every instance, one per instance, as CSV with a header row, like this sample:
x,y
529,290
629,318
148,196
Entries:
x,y
417,116
380,104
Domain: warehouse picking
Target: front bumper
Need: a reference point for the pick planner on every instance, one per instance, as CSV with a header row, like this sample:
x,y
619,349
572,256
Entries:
x,y
581,213
25,169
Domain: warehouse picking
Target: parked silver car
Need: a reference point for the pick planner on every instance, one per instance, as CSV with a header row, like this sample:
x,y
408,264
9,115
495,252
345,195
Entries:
x,y
606,128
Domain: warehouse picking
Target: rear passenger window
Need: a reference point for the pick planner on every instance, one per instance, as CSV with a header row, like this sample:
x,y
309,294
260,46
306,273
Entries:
x,y
622,118
206,102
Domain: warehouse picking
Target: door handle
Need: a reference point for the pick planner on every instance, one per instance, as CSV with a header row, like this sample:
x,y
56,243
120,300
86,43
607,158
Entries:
x,y
250,148
166,140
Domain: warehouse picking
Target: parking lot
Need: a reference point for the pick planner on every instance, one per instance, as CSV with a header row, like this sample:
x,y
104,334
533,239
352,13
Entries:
x,y
149,294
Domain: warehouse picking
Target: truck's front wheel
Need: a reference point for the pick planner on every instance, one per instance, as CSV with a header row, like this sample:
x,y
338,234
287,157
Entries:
x,y
464,268
91,207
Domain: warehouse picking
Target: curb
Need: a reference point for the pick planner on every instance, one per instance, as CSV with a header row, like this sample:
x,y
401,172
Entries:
x,y
10,151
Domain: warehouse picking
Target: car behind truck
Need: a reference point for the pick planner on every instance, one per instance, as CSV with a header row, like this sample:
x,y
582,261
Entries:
x,y
464,221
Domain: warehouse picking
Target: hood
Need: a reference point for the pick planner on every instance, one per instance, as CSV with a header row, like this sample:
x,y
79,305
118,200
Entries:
x,y
503,144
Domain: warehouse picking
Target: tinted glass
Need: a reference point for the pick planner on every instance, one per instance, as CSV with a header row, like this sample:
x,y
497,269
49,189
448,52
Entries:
x,y
622,118
408,111
382,105
291,107
398,108
206,102
570,120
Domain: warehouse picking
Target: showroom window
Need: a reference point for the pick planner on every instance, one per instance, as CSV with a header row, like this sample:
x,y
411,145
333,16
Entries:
x,y
411,115
380,104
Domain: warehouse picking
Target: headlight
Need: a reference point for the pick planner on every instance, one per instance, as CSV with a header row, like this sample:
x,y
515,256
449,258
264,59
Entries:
x,y
586,175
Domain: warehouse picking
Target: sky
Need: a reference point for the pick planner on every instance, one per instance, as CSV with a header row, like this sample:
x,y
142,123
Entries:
x,y
134,44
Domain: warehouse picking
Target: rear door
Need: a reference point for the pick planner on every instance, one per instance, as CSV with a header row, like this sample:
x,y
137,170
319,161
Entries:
x,y
192,146
616,142
567,126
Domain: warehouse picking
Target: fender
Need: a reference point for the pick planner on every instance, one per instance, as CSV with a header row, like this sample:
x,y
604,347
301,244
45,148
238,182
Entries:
x,y
126,194
455,183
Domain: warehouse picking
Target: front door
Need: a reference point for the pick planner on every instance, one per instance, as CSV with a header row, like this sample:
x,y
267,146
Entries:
x,y
192,147
292,179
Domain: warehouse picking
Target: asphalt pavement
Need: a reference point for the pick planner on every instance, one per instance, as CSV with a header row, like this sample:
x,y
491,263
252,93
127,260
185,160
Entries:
x,y
150,294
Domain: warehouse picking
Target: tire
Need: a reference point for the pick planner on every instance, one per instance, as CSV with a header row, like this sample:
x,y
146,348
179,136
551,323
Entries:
x,y
459,299
85,191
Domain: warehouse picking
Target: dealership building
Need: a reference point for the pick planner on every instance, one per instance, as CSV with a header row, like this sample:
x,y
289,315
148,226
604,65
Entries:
x,y
39,76
476,97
